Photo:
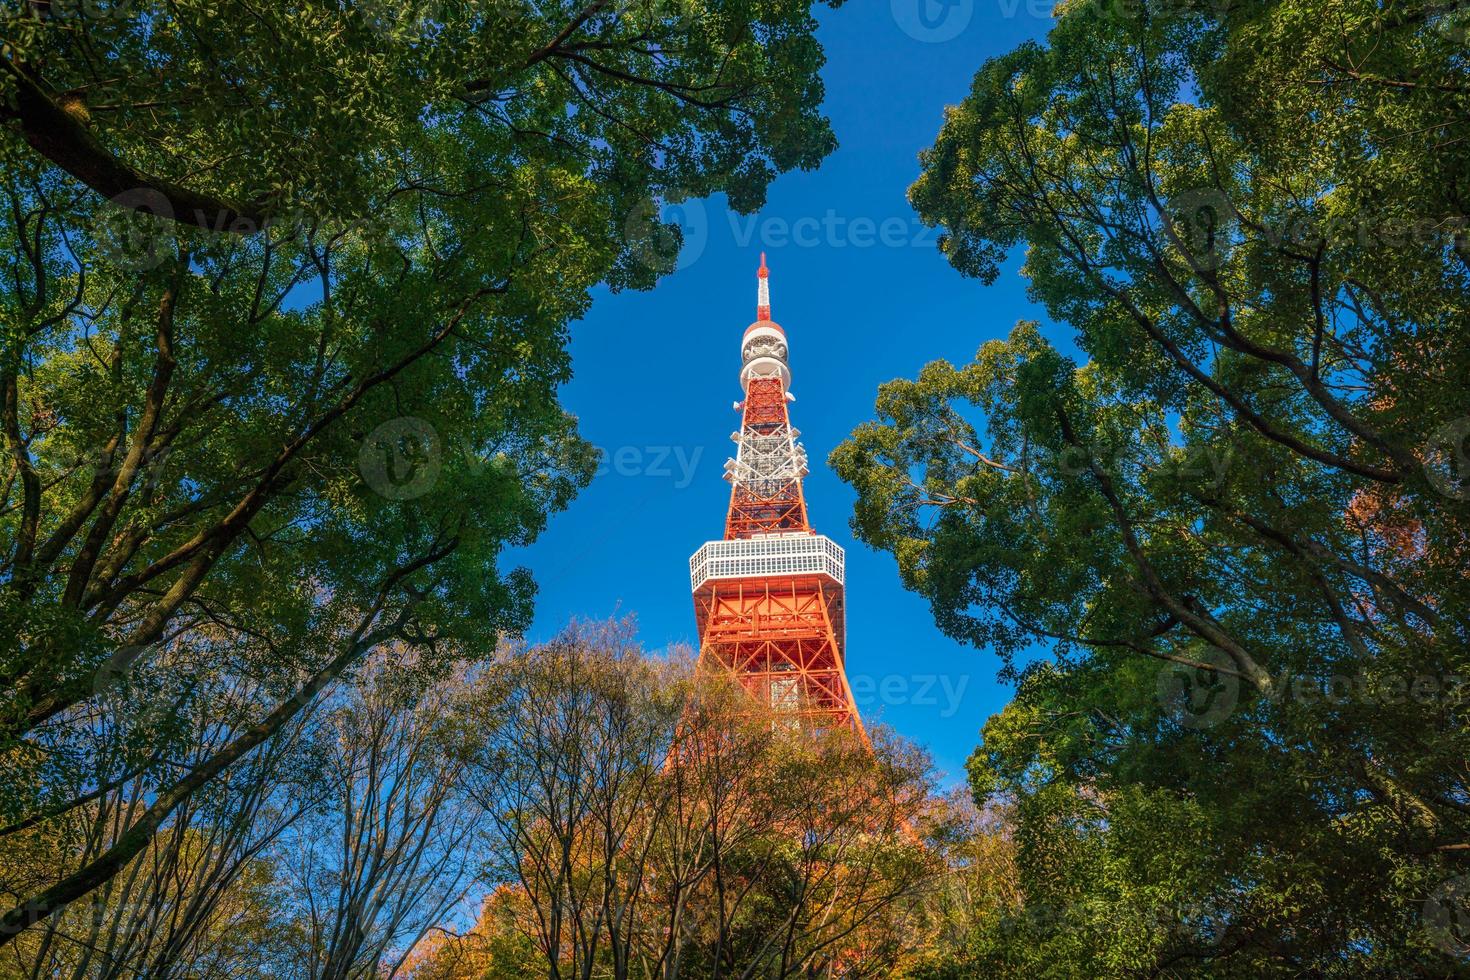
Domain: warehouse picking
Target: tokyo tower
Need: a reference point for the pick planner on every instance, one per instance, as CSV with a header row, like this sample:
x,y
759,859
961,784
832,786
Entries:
x,y
769,596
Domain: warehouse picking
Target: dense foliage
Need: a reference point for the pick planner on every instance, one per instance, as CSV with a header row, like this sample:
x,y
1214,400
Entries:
x,y
284,296
651,822
285,292
622,817
1224,555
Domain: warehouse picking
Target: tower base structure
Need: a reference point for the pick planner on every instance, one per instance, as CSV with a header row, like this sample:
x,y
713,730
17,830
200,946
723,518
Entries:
x,y
771,614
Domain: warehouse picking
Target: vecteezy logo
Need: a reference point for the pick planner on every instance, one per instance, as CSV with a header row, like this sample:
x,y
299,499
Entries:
x,y
134,229
115,673
1201,220
1446,916
401,458
932,21
1447,462
1119,11
410,18
1199,697
662,248
1453,21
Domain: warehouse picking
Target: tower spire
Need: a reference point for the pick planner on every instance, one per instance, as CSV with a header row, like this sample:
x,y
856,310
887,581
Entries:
x,y
763,291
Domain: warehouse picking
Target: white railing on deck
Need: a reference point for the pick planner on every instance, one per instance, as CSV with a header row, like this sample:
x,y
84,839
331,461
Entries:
x,y
773,555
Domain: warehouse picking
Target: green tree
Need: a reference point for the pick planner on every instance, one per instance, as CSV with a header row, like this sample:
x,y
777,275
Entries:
x,y
203,896
229,116
285,294
652,821
387,851
1240,526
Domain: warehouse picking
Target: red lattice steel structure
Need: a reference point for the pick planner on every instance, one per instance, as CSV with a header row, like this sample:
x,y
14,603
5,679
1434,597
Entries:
x,y
769,596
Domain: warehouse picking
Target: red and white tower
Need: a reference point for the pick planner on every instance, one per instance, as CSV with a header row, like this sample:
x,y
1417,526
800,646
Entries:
x,y
769,596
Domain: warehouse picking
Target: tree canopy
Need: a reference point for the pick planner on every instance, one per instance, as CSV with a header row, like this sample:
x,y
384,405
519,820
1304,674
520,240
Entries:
x,y
286,291
1220,542
231,116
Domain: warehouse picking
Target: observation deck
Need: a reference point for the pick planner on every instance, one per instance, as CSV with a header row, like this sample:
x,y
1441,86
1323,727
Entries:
x,y
770,556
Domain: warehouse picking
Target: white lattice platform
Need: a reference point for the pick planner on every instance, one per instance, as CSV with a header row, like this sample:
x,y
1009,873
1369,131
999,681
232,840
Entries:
x,y
773,555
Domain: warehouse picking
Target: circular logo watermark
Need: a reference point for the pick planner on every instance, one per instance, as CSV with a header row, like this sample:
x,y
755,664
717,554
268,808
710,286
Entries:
x,y
1116,11
100,10
1201,219
1446,915
1453,22
662,248
932,21
1136,11
1447,460
411,18
134,697
401,458
113,677
1198,697
135,229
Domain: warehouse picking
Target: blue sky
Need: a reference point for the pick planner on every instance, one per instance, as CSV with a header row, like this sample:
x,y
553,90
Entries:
x,y
864,297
